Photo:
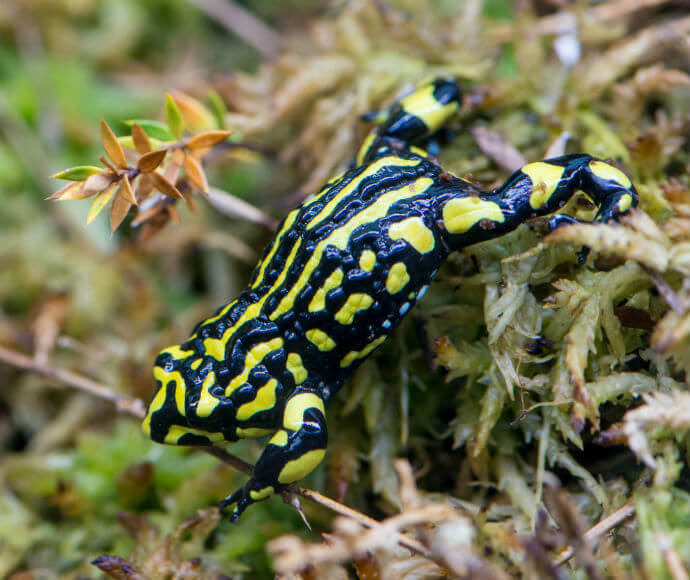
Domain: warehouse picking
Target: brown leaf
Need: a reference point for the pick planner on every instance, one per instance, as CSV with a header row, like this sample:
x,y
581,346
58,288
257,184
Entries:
x,y
112,146
119,209
172,212
127,192
71,191
144,187
164,186
195,173
196,115
207,139
99,203
150,161
98,182
141,140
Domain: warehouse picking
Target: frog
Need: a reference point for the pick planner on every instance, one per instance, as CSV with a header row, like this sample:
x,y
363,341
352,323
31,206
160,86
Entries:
x,y
343,270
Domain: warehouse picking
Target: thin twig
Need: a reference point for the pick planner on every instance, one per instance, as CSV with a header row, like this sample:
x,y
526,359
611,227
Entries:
x,y
232,206
123,403
566,20
668,293
601,528
671,557
242,23
136,408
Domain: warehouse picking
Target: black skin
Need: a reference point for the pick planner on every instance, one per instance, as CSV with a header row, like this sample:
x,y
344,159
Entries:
x,y
270,285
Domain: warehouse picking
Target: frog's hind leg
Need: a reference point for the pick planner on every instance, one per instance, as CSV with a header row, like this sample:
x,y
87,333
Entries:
x,y
293,451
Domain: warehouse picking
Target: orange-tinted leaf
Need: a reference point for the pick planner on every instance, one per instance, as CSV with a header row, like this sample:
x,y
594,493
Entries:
x,y
173,117
207,139
99,203
196,116
172,212
98,182
144,187
127,192
119,209
195,173
112,146
70,192
150,161
142,143
164,186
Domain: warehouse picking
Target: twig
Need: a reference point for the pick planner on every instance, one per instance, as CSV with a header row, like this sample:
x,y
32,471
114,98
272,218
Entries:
x,y
136,408
232,206
671,557
599,529
672,299
242,23
566,20
123,403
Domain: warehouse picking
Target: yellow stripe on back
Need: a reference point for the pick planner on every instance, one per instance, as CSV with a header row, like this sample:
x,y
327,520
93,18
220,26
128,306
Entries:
x,y
340,237
607,171
370,170
414,232
264,400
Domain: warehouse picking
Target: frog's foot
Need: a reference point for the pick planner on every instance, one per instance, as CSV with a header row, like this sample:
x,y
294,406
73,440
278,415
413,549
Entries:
x,y
292,452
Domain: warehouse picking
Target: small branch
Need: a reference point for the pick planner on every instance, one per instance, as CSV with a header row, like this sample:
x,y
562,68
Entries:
x,y
601,528
242,23
136,408
130,405
235,207
671,557
672,299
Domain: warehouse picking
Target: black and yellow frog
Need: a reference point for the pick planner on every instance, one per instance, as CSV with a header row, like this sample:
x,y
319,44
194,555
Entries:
x,y
343,270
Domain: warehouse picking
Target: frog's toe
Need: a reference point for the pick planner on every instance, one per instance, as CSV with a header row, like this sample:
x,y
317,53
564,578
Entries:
x,y
252,492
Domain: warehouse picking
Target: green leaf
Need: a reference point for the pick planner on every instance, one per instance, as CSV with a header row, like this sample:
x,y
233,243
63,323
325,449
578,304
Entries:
x,y
154,129
78,173
173,116
218,108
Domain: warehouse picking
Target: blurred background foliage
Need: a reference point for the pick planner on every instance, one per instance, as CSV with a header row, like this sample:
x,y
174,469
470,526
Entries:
x,y
515,389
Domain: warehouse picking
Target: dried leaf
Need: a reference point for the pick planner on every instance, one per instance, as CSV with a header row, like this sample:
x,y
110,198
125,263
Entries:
x,y
71,192
196,116
207,139
173,117
141,140
154,129
127,191
112,146
78,173
195,173
150,161
99,203
119,209
98,182
164,186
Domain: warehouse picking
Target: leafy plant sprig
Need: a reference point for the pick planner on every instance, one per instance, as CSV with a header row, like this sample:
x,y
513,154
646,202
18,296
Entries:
x,y
141,172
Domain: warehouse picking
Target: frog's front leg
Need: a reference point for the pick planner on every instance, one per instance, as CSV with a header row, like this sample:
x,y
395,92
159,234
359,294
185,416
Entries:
x,y
292,453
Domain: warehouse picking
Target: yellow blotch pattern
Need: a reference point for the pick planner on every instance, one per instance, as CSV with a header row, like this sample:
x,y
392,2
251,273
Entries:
x,y
263,493
319,338
207,402
318,302
354,303
280,439
353,355
459,215
624,202
545,179
367,260
265,399
295,408
246,433
397,278
414,232
295,366
253,358
424,105
607,171
297,468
